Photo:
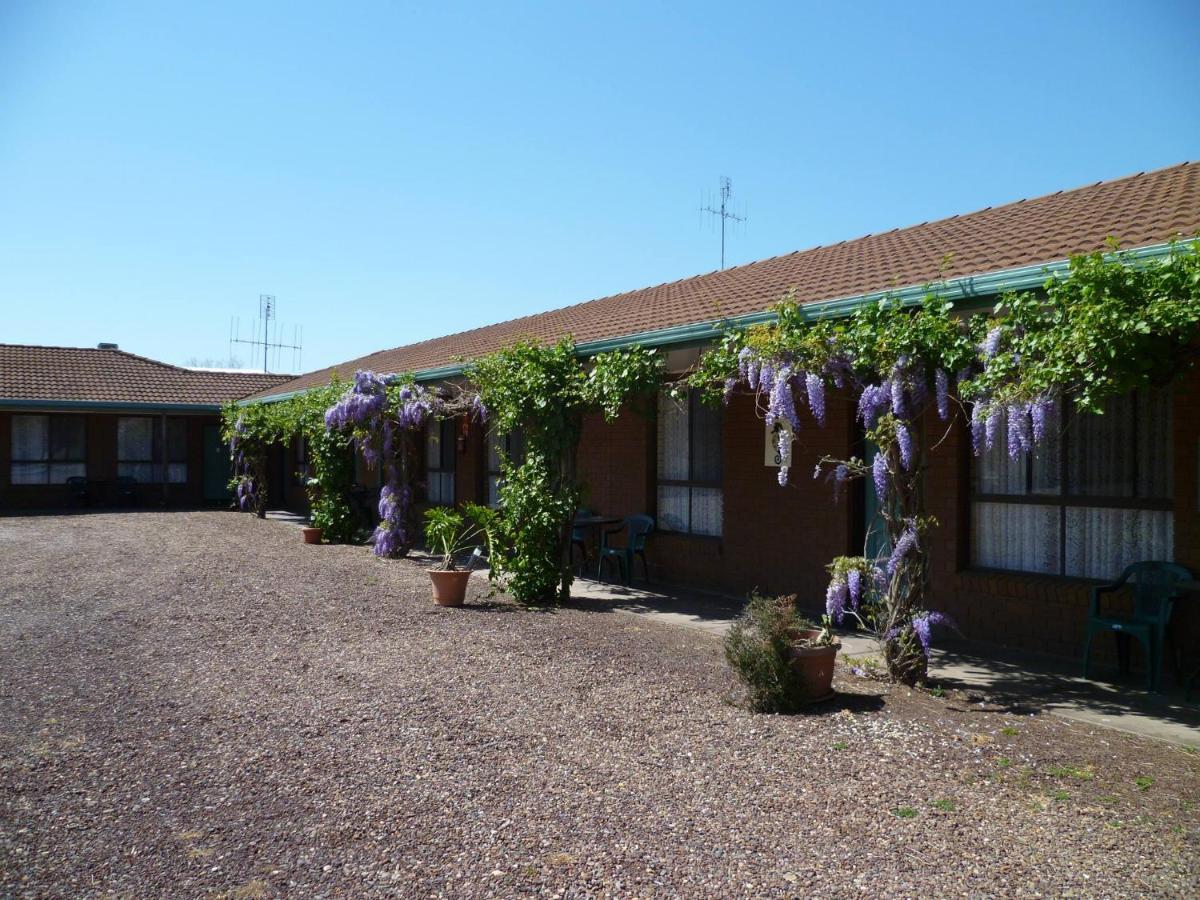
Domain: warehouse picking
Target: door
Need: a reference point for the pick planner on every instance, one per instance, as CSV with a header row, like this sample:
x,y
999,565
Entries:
x,y
216,464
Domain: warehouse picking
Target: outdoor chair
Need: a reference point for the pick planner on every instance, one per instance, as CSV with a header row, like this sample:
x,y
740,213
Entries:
x,y
1154,586
78,487
579,535
636,528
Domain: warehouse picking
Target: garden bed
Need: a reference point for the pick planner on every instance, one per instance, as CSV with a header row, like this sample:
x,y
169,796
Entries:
x,y
197,702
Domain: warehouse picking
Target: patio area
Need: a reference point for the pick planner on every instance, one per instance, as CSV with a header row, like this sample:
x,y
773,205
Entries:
x,y
1021,682
197,703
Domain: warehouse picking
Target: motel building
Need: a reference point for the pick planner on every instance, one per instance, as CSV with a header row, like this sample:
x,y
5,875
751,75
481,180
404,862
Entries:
x,y
1019,544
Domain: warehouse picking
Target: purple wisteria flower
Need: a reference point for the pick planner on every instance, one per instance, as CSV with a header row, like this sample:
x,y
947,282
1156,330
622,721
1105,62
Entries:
x,y
904,546
879,474
1039,411
904,439
836,596
753,368
815,386
922,627
991,429
782,403
744,359
978,426
783,476
854,588
730,385
873,402
478,410
942,385
899,400
991,344
1020,433
766,377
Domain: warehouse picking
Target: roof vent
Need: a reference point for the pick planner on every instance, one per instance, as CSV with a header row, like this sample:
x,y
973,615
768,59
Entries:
x,y
104,345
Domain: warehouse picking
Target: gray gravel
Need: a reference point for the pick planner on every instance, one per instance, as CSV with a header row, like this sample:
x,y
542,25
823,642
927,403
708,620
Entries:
x,y
197,704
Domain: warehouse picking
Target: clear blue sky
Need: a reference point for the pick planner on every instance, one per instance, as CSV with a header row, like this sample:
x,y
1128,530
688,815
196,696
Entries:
x,y
393,173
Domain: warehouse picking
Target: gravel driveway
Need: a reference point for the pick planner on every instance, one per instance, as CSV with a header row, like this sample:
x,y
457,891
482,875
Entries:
x,y
197,704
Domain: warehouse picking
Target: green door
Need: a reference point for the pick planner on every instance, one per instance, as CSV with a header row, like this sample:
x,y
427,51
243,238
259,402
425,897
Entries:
x,y
216,464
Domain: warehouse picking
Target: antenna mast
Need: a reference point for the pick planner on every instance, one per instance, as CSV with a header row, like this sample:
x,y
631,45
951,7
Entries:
x,y
722,212
266,312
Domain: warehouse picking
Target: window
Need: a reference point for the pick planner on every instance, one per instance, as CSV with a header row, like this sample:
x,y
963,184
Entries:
x,y
689,465
501,446
48,449
439,461
140,450
1094,497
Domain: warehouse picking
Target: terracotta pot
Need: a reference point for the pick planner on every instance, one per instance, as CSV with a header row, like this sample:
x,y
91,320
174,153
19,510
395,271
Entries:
x,y
814,665
312,535
449,588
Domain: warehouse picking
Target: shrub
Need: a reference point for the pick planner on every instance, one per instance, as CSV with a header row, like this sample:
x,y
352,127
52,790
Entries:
x,y
759,648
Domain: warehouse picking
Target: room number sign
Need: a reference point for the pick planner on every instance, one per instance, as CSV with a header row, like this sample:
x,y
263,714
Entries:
x,y
772,456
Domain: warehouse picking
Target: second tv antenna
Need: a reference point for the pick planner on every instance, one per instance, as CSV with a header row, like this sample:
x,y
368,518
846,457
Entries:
x,y
723,212
263,339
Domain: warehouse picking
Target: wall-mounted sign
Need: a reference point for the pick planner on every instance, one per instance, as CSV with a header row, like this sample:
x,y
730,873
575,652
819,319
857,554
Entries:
x,y
772,456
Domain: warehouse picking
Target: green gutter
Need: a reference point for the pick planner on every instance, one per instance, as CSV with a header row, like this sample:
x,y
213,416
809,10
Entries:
x,y
109,405
967,287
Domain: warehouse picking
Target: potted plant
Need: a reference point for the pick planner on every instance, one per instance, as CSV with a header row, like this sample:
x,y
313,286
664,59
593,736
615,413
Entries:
x,y
449,533
785,661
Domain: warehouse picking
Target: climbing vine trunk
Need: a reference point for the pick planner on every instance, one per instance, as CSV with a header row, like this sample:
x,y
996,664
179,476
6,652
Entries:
x,y
904,656
566,486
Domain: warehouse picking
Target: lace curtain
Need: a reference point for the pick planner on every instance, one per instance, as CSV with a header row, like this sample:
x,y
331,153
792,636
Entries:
x,y
689,450
47,449
1092,496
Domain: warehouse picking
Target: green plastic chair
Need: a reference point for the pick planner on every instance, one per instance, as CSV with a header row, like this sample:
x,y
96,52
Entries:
x,y
636,528
1154,593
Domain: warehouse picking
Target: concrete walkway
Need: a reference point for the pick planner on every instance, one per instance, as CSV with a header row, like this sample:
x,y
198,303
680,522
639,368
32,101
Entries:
x,y
1023,682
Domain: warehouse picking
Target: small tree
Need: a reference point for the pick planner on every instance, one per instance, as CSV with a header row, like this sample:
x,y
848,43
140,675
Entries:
x,y
545,392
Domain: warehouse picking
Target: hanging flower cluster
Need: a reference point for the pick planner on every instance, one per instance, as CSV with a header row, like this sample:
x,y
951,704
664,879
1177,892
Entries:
x,y
247,488
379,410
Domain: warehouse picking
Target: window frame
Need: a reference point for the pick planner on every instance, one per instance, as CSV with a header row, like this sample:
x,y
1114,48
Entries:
x,y
509,446
161,456
1063,500
691,482
51,419
448,449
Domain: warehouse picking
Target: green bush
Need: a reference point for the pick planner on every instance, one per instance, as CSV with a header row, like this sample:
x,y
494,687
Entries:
x,y
759,649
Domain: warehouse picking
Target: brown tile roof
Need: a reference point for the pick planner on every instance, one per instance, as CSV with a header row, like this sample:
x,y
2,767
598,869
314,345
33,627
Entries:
x,y
108,376
1141,209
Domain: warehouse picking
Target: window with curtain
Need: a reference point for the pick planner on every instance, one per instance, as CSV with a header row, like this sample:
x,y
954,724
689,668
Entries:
x,y
501,446
141,454
48,449
439,461
689,465
1093,498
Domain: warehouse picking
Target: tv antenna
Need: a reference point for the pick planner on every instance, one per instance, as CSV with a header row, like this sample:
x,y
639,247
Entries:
x,y
263,339
723,212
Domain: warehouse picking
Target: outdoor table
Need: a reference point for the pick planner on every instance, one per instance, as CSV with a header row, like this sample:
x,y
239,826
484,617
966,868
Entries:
x,y
593,524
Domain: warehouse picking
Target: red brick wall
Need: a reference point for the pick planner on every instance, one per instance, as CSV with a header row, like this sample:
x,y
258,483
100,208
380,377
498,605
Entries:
x,y
776,539
779,540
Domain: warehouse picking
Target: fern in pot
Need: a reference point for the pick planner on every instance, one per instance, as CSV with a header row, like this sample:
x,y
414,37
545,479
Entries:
x,y
449,534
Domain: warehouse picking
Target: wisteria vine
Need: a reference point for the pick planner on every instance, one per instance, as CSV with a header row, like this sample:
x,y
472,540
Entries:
x,y
1105,327
384,413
